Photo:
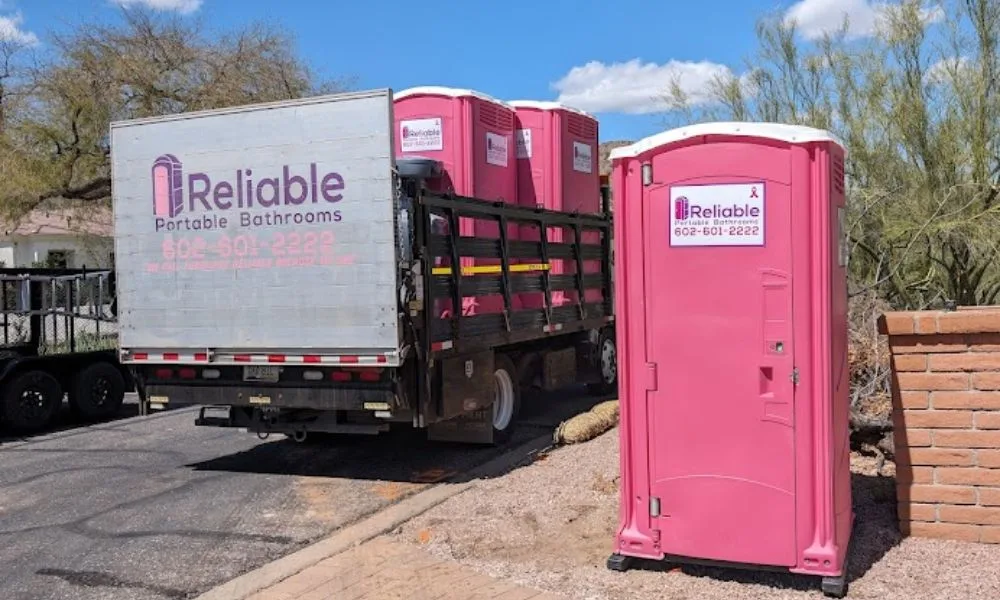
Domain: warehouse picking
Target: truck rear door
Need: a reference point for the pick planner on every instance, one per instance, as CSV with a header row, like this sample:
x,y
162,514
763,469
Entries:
x,y
263,233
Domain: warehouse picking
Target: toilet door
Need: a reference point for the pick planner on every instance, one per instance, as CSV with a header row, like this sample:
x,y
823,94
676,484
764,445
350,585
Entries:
x,y
719,337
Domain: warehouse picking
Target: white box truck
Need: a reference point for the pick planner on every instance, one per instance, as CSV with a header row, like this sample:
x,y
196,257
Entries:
x,y
277,265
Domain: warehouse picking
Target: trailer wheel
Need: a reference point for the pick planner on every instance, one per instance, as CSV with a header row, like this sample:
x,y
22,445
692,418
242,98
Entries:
x,y
506,399
607,362
31,400
97,391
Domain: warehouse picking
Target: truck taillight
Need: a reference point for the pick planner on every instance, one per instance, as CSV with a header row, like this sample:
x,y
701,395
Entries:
x,y
370,375
340,376
187,373
164,373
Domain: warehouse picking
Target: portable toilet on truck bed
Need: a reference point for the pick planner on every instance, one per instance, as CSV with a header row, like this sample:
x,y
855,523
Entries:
x,y
556,149
472,135
731,297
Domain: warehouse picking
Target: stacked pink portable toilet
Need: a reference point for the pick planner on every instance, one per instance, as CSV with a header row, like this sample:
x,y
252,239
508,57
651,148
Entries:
x,y
472,135
557,169
731,311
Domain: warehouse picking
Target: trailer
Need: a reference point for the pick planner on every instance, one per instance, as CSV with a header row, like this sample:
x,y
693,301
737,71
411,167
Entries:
x,y
59,340
365,324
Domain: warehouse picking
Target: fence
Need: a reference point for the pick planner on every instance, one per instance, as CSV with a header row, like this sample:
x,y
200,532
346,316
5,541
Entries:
x,y
55,311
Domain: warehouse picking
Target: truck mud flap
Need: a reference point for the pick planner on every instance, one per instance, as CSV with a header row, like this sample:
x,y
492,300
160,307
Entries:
x,y
471,428
559,369
466,384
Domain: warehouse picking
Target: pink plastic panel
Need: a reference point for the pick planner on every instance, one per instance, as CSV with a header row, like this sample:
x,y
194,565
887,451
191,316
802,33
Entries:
x,y
716,310
714,327
558,170
474,140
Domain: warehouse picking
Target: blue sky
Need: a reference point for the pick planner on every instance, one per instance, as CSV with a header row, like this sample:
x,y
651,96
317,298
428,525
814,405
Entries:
x,y
613,59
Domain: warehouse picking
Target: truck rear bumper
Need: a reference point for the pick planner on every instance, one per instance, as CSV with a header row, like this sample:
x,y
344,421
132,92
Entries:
x,y
229,416
314,398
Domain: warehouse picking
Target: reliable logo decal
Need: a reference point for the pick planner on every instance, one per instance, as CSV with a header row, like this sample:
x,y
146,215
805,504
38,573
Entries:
x,y
583,158
168,195
207,201
418,135
684,210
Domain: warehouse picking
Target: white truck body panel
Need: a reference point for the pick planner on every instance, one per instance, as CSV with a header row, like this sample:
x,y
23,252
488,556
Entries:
x,y
259,229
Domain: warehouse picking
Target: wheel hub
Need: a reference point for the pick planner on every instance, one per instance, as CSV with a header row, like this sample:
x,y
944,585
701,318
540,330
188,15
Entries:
x,y
503,400
101,391
609,363
32,403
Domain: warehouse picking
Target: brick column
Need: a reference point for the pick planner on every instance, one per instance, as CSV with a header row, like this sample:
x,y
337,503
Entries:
x,y
946,416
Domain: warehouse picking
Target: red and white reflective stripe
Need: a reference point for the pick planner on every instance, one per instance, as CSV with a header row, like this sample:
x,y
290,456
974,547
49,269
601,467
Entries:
x,y
303,359
553,327
445,345
243,358
157,357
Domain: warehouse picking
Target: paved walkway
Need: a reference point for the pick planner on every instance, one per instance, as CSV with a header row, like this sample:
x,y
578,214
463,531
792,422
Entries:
x,y
385,570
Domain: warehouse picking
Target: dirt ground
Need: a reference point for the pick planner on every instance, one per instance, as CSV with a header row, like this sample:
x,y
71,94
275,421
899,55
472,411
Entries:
x,y
550,525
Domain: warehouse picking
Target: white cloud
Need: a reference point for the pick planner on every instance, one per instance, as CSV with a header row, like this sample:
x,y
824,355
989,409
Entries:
x,y
10,31
182,6
946,70
814,18
636,87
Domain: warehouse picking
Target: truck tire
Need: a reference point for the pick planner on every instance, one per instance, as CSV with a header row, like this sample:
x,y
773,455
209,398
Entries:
x,y
97,392
607,364
30,401
506,400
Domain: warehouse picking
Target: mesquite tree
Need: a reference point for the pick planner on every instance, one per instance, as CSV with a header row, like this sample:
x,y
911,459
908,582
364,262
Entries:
x,y
918,106
56,105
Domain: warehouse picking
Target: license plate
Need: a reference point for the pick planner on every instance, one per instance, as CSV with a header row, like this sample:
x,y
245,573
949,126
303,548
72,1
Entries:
x,y
261,373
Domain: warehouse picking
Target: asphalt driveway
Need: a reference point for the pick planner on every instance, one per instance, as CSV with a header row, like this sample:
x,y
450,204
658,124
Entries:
x,y
154,507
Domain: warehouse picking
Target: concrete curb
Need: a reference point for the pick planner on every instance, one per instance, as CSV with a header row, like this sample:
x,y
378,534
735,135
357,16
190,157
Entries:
x,y
370,527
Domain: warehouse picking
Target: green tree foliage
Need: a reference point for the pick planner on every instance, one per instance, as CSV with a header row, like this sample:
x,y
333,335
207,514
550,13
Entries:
x,y
918,107
55,111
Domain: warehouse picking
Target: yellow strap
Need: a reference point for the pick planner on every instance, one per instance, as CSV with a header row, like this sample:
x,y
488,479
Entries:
x,y
482,269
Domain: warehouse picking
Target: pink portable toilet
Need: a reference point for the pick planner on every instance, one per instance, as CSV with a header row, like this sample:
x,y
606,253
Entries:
x,y
472,136
557,169
731,296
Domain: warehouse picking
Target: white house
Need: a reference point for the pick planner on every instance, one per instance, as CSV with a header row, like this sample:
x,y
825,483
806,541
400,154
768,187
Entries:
x,y
59,237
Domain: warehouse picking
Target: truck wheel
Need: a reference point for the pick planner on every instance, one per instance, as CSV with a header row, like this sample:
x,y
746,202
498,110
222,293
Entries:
x,y
31,400
506,399
607,362
97,392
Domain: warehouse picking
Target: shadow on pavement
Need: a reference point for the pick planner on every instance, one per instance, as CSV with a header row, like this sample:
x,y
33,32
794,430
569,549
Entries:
x,y
404,455
65,420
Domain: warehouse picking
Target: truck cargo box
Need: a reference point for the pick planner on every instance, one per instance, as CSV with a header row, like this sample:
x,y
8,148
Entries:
x,y
263,233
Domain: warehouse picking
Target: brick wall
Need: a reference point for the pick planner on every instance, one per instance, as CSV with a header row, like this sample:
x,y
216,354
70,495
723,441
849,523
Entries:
x,y
946,415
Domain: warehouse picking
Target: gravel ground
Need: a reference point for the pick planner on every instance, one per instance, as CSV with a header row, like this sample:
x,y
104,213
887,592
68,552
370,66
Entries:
x,y
550,525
